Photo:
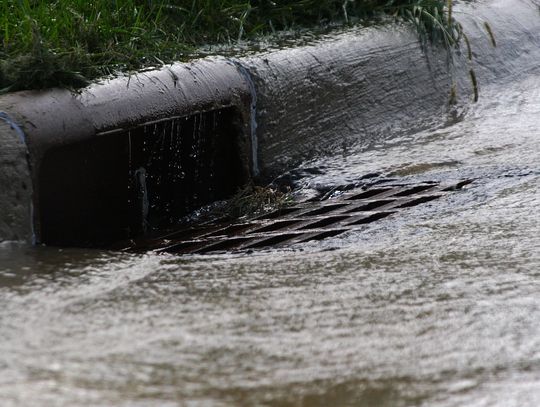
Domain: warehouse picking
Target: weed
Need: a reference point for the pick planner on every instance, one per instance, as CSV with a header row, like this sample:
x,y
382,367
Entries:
x,y
253,200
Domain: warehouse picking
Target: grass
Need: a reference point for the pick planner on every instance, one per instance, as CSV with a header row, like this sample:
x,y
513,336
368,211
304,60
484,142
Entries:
x,y
71,42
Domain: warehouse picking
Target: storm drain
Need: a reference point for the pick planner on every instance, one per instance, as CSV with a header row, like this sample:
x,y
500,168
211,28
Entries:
x,y
303,222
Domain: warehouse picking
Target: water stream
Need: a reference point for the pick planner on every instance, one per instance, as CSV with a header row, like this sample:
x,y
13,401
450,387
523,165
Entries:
x,y
436,307
439,307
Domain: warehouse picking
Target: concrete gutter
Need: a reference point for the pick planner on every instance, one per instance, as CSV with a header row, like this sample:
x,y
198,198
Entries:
x,y
341,94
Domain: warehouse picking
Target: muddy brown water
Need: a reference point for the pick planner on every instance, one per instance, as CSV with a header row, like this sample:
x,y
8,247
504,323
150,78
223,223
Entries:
x,y
437,307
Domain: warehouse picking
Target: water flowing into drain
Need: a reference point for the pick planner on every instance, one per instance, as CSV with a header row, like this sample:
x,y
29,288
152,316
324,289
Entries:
x,y
303,222
130,182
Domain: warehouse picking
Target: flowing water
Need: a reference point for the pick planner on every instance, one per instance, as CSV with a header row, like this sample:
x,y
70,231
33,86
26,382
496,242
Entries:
x,y
437,307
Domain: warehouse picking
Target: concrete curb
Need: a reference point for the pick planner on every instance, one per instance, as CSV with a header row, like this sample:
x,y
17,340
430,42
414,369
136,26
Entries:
x,y
70,138
341,94
15,184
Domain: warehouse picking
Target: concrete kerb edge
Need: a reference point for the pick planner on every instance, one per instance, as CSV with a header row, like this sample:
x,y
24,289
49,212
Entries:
x,y
55,118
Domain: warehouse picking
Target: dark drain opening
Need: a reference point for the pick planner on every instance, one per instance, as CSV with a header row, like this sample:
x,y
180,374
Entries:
x,y
369,193
130,182
325,209
224,245
271,241
282,224
191,232
230,230
414,190
323,235
458,186
331,220
181,247
372,205
372,218
182,164
419,201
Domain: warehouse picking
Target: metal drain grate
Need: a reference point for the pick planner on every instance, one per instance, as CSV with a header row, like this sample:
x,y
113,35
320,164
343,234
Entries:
x,y
300,223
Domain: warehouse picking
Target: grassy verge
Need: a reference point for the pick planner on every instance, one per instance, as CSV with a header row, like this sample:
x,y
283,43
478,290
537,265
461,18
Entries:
x,y
70,42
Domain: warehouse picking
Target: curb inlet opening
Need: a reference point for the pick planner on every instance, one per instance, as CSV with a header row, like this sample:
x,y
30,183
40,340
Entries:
x,y
135,182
